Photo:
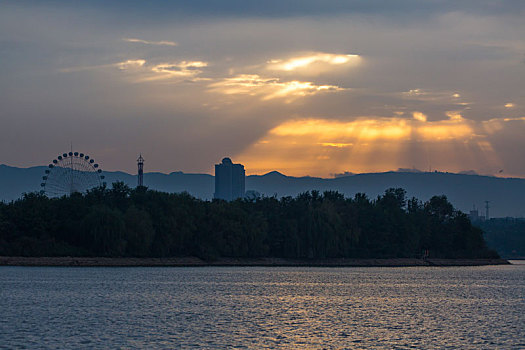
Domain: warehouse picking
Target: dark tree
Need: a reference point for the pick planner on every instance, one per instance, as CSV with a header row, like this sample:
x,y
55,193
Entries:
x,y
121,221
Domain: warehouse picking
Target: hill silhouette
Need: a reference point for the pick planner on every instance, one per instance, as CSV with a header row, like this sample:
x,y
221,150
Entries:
x,y
506,195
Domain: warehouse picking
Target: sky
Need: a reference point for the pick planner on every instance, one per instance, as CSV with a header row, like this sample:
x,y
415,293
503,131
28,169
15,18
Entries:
x,y
306,88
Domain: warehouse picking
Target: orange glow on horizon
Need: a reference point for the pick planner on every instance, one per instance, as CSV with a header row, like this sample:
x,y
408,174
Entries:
x,y
320,147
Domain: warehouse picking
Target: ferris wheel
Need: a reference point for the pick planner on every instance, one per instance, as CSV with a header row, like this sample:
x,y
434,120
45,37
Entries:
x,y
71,172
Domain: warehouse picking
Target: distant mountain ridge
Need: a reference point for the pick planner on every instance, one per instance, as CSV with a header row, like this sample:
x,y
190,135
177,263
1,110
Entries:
x,y
506,195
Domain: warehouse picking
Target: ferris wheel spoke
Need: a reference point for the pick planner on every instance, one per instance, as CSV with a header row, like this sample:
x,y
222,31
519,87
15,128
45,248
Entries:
x,y
60,177
55,188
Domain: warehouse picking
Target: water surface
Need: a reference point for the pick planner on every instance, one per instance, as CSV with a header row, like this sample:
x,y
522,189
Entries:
x,y
263,307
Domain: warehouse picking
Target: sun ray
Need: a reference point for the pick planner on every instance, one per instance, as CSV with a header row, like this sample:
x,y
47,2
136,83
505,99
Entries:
x,y
320,146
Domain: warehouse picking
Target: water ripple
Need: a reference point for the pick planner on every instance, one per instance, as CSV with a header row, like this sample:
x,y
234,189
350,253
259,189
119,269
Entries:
x,y
263,308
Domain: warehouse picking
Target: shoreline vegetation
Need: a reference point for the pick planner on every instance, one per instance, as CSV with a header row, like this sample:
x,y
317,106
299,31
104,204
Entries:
x,y
326,229
243,262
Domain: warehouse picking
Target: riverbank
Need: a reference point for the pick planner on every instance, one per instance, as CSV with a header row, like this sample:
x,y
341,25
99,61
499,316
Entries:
x,y
193,261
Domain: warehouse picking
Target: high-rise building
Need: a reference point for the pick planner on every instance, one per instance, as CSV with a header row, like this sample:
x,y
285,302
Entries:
x,y
229,180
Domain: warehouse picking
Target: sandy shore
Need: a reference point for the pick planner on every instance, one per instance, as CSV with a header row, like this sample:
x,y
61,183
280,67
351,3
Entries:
x,y
192,261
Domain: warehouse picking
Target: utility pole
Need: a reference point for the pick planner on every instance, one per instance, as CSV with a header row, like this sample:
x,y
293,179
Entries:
x,y
140,164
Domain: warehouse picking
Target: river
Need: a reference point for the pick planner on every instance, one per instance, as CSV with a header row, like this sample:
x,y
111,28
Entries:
x,y
263,307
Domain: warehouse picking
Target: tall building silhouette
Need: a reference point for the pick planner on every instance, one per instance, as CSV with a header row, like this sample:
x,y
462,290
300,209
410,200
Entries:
x,y
229,180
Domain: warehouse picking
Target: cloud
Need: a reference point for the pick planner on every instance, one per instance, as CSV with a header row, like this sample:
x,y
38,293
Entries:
x,y
143,72
130,64
419,116
414,92
139,70
314,63
496,125
513,119
510,105
331,131
180,69
268,88
147,42
433,95
334,144
348,133
124,65
319,147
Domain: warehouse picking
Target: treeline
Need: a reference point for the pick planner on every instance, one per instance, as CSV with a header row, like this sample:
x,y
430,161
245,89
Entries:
x,y
506,236
142,223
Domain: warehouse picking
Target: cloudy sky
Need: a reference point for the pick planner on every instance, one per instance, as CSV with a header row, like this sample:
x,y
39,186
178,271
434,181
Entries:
x,y
303,87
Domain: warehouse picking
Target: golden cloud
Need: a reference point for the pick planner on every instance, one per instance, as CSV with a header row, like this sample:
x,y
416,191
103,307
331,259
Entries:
x,y
419,116
268,88
313,63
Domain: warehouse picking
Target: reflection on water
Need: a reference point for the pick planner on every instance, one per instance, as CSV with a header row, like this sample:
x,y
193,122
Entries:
x,y
221,307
